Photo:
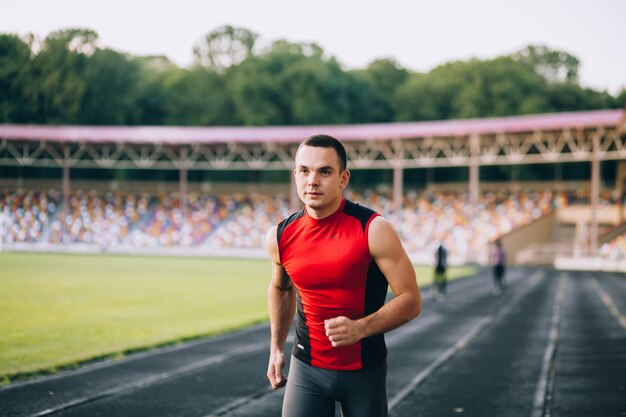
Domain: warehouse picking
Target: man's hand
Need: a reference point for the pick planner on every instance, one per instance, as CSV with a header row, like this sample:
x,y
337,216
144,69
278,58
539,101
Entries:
x,y
342,331
275,370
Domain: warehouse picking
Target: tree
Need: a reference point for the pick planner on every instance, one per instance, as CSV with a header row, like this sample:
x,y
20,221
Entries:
x,y
620,99
554,66
224,47
198,96
572,97
66,78
261,85
111,89
153,94
291,83
367,103
423,97
500,87
469,89
386,77
15,65
58,75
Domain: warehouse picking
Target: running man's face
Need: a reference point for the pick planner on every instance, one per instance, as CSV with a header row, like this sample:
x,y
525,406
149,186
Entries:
x,y
319,179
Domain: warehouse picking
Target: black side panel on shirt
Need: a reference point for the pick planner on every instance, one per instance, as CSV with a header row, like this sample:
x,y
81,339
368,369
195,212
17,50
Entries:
x,y
282,225
302,344
363,214
373,347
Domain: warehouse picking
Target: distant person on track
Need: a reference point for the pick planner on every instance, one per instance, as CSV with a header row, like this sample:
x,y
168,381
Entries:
x,y
334,259
498,259
440,279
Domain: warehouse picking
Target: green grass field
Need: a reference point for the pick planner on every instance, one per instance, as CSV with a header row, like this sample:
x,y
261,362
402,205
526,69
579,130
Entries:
x,y
60,310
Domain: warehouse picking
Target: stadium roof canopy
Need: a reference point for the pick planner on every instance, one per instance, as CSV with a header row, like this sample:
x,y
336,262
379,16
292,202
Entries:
x,y
543,138
169,135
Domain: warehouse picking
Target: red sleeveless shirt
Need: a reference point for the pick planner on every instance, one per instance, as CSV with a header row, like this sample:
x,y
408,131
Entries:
x,y
330,265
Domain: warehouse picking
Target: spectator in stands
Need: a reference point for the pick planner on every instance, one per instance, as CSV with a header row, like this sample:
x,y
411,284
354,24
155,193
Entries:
x,y
105,219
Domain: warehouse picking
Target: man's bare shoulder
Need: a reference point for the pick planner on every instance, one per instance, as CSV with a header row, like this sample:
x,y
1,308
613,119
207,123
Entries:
x,y
382,237
271,244
381,226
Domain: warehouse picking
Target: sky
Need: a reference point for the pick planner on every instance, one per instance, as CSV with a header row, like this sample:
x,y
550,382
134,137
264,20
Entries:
x,y
418,34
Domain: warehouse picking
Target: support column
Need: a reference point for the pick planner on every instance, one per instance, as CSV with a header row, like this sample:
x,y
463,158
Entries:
x,y
183,188
620,179
398,188
294,200
474,171
619,187
593,197
66,180
474,178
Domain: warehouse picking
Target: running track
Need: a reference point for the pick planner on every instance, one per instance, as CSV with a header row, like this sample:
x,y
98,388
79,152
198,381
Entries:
x,y
553,344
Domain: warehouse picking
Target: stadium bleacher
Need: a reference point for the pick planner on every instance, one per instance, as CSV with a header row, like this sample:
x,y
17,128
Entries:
x,y
240,221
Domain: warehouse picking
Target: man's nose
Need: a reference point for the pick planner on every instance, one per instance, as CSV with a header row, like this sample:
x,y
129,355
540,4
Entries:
x,y
313,178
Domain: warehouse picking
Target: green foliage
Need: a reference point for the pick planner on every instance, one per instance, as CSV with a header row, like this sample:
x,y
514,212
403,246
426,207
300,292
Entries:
x,y
197,97
386,77
224,47
571,97
620,100
59,74
153,94
111,83
256,93
554,66
15,66
498,87
68,79
296,84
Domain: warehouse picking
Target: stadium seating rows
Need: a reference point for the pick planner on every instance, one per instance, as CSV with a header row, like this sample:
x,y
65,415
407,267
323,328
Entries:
x,y
241,220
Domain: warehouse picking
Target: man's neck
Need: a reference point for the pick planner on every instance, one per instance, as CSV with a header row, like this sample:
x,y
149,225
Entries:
x,y
324,212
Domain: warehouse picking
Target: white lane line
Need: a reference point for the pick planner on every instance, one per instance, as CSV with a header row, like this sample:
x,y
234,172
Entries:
x,y
132,357
542,403
142,383
419,378
396,335
240,402
461,344
608,302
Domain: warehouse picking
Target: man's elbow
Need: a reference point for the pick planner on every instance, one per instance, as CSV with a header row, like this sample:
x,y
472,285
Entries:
x,y
416,307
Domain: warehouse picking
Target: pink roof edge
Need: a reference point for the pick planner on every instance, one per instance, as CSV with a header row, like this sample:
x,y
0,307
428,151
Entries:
x,y
293,134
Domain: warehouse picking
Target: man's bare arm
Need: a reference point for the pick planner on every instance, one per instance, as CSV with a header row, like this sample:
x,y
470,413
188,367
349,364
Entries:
x,y
281,304
388,253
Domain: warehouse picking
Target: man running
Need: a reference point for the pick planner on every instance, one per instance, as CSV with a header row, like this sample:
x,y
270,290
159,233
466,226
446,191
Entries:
x,y
499,266
334,260
440,278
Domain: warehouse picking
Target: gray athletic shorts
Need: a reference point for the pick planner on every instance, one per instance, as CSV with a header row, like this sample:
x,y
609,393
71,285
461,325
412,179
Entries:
x,y
312,392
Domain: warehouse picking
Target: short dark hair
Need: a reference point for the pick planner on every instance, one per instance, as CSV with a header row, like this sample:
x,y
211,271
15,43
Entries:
x,y
326,141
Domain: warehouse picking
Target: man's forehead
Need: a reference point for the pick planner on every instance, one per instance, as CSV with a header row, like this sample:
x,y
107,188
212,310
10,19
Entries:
x,y
317,157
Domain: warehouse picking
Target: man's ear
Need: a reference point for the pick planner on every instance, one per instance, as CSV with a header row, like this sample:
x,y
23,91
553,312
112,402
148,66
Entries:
x,y
345,179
